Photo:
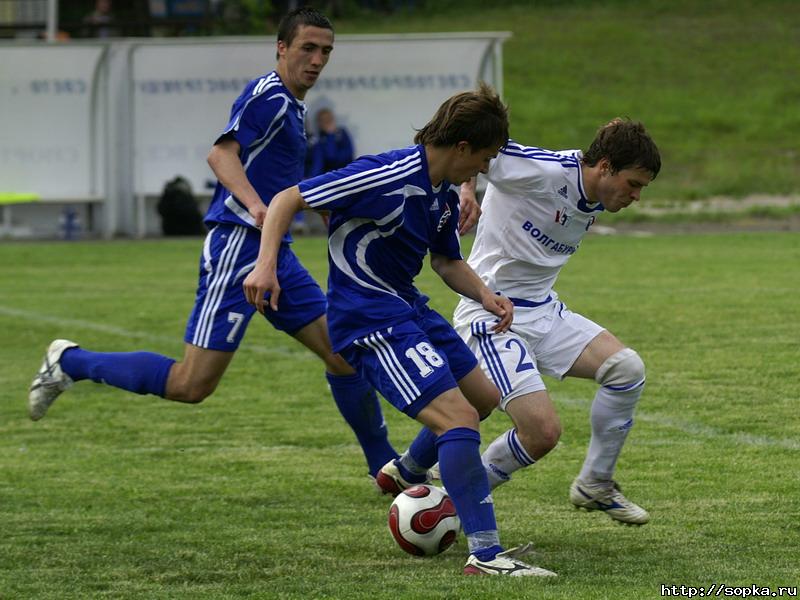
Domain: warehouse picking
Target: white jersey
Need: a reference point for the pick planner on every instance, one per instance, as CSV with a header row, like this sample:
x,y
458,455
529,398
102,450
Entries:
x,y
535,214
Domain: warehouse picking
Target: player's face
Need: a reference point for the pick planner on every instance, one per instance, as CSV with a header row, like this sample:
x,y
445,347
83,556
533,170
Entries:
x,y
467,163
301,63
619,190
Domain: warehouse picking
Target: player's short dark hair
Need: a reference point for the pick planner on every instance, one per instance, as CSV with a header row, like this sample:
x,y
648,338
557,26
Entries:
x,y
626,145
303,16
478,117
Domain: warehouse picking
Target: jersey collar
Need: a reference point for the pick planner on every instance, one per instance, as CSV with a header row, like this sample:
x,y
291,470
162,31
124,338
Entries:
x,y
584,204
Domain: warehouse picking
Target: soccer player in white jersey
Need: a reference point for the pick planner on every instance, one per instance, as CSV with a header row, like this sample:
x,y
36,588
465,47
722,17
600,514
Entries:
x,y
537,208
387,212
260,152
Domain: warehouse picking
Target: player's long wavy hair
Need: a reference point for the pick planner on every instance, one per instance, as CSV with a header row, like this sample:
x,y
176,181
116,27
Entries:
x,y
478,117
626,145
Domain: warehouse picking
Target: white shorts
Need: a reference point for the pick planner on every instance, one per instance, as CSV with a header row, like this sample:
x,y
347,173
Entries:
x,y
547,339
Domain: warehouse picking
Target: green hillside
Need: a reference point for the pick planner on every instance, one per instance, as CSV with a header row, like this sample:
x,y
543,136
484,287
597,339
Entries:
x,y
716,82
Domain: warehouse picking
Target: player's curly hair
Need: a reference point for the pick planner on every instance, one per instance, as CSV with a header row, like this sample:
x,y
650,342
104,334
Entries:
x,y
626,145
303,16
478,117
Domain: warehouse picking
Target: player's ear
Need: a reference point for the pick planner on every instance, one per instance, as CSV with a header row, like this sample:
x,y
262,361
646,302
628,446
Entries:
x,y
463,147
281,49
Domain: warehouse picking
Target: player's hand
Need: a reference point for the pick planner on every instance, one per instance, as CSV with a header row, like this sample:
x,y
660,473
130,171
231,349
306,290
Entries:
x,y
258,213
469,211
500,306
262,280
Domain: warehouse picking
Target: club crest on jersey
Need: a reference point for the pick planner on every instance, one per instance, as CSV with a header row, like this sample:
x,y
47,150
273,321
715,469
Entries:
x,y
445,215
562,218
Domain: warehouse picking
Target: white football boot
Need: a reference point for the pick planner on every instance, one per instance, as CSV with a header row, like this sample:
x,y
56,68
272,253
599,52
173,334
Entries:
x,y
390,481
50,381
506,563
608,498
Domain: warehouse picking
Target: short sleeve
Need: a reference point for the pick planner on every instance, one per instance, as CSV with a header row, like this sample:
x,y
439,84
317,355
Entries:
x,y
518,168
447,241
255,117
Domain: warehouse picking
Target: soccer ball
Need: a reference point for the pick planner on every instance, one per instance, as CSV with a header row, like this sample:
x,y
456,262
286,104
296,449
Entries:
x,y
423,520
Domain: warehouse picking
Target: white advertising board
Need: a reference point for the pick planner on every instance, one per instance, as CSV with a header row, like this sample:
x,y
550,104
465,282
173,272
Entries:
x,y
380,87
51,121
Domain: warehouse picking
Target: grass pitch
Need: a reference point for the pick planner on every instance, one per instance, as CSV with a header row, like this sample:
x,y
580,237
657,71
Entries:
x,y
261,491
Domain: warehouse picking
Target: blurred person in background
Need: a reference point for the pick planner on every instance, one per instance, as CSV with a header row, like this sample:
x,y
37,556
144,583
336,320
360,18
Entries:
x,y
332,147
329,148
99,22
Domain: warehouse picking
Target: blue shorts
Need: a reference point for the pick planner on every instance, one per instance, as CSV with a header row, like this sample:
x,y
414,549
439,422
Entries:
x,y
413,362
221,312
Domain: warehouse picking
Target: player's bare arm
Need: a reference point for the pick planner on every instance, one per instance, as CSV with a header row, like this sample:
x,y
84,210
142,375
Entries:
x,y
263,278
460,278
469,209
224,161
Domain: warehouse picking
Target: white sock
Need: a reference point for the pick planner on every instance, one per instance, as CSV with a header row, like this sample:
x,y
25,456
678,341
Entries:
x,y
504,456
612,419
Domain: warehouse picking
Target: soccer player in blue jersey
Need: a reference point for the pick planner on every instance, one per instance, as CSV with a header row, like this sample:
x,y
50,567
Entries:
x,y
387,212
260,152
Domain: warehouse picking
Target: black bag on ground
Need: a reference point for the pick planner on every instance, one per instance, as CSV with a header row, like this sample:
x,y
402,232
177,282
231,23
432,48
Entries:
x,y
178,209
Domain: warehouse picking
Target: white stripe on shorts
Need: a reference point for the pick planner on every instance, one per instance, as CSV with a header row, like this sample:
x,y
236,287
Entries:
x,y
493,361
217,283
388,359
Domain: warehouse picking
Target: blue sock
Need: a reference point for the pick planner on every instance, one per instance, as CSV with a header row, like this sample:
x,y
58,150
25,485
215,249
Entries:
x,y
423,449
357,401
464,477
414,463
139,372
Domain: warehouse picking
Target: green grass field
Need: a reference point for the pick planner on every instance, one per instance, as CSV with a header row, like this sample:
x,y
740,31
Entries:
x,y
260,491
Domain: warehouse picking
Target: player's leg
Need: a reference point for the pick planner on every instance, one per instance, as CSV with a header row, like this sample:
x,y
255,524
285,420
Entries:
x,y
302,315
578,347
507,360
621,375
536,431
414,464
190,380
213,332
415,377
354,396
454,421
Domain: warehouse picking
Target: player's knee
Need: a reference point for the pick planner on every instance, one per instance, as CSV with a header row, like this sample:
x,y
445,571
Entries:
x,y
336,365
550,435
197,394
467,417
190,392
488,401
622,369
540,437
461,415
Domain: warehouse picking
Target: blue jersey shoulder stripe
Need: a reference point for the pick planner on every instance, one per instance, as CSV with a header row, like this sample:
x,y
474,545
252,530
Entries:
x,y
358,182
260,88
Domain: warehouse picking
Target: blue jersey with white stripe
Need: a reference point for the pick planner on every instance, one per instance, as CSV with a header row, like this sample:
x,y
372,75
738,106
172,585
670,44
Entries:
x,y
385,217
268,123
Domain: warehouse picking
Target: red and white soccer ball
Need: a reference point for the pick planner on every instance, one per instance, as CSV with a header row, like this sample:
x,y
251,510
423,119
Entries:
x,y
423,520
